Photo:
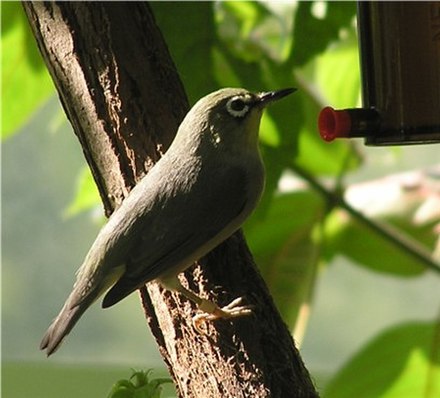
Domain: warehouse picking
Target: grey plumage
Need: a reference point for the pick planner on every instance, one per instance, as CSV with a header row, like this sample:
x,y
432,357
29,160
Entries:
x,y
197,195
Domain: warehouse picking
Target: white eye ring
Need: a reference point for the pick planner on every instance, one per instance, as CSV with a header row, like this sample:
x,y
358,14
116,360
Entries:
x,y
237,107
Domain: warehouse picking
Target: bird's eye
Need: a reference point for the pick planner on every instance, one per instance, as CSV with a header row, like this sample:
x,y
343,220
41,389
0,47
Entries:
x,y
237,107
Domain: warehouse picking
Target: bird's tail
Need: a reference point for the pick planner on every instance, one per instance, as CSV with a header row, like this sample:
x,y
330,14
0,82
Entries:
x,y
63,324
82,297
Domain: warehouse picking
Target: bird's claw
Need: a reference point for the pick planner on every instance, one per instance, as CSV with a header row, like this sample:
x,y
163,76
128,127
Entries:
x,y
212,312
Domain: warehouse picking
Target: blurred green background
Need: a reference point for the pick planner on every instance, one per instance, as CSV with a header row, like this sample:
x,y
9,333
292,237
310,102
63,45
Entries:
x,y
353,299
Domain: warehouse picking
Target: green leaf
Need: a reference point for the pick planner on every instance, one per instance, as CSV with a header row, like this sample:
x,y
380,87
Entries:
x,y
403,361
26,82
253,30
86,194
337,72
312,34
284,250
354,239
122,389
139,386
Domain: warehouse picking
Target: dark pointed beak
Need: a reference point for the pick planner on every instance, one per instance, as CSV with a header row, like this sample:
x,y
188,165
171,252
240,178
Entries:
x,y
271,96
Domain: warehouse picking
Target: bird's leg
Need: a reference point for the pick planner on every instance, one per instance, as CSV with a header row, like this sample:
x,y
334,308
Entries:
x,y
233,310
212,311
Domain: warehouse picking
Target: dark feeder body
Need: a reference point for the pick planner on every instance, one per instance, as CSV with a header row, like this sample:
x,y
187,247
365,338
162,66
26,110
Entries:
x,y
400,70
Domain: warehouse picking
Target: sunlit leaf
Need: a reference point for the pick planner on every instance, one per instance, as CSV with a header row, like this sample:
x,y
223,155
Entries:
x,y
254,30
86,194
138,386
350,237
26,83
284,249
337,73
403,361
312,34
269,134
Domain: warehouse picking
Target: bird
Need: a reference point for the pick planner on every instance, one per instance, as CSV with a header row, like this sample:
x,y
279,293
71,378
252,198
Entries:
x,y
197,195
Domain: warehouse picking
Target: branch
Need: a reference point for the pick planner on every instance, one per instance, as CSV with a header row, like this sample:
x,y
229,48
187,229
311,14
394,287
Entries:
x,y
386,231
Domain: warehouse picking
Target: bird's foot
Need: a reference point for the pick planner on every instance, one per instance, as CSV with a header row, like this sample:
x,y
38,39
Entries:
x,y
212,312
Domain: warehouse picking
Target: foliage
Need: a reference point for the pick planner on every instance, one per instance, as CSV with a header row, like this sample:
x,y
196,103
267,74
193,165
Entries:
x,y
138,386
299,228
86,196
400,362
25,80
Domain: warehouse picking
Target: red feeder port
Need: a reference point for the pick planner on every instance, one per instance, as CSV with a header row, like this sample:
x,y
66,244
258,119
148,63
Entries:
x,y
333,124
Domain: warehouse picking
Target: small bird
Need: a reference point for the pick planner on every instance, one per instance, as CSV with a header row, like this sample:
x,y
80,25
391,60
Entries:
x,y
197,195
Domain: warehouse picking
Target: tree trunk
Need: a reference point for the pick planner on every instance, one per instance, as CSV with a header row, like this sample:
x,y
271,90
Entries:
x,y
123,96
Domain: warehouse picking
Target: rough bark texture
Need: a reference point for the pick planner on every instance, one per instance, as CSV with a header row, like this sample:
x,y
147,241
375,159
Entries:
x,y
124,98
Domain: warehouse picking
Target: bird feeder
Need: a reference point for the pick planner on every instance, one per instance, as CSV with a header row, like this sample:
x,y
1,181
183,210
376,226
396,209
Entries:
x,y
400,72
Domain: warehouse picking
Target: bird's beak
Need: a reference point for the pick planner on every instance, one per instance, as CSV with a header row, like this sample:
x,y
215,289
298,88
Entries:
x,y
270,96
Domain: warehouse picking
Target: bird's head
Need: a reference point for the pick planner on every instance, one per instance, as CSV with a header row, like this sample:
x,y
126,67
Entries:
x,y
230,116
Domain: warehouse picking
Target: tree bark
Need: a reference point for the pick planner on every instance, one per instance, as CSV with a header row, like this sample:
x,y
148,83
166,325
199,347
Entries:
x,y
123,96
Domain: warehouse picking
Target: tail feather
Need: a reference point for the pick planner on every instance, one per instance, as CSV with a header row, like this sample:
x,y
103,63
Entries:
x,y
84,293
62,325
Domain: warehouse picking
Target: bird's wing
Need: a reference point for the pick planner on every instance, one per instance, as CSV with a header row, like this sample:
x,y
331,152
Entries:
x,y
183,229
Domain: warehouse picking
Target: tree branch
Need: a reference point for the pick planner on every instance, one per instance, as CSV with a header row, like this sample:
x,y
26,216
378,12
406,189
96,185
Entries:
x,y
387,232
124,98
